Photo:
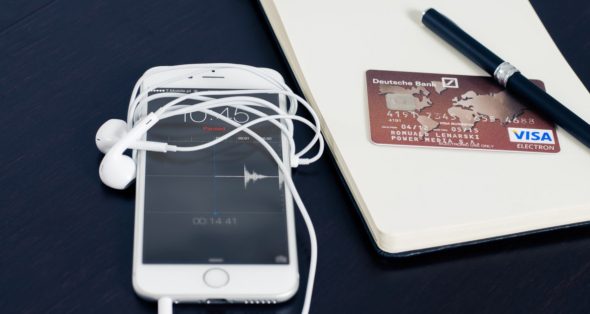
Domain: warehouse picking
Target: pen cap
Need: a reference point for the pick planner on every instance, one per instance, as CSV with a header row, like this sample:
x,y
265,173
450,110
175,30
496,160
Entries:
x,y
460,40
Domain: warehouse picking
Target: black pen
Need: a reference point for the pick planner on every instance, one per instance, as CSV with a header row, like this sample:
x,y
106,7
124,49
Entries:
x,y
507,75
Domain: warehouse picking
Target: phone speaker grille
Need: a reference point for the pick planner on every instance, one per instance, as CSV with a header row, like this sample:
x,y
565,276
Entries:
x,y
260,301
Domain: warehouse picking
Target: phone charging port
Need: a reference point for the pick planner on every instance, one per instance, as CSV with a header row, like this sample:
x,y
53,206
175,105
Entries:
x,y
216,301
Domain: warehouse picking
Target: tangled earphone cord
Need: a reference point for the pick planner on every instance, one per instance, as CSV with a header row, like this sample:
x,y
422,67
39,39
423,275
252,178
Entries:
x,y
206,104
136,105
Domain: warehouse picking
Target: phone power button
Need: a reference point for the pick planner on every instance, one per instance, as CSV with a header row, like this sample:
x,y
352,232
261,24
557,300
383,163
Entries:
x,y
216,278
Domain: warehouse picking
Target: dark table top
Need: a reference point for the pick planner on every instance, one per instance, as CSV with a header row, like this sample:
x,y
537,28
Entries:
x,y
66,240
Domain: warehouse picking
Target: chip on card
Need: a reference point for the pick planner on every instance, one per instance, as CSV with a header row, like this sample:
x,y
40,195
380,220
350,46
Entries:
x,y
453,111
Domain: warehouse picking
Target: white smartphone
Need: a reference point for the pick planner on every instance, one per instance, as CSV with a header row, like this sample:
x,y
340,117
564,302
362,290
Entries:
x,y
215,225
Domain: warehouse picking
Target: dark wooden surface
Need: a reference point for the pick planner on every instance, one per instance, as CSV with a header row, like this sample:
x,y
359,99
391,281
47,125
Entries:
x,y
65,240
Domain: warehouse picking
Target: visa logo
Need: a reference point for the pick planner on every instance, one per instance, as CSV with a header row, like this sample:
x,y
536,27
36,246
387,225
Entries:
x,y
521,135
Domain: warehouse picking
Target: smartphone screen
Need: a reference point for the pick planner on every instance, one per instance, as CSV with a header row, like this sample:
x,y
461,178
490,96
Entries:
x,y
225,204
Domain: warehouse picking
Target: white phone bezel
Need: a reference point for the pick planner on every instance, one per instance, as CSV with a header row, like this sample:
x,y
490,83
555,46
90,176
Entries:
x,y
184,283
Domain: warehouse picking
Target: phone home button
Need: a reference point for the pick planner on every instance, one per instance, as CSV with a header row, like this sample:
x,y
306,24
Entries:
x,y
216,278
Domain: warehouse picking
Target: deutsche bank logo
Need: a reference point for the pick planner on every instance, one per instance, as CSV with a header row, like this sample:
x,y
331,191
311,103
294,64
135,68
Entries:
x,y
538,136
450,82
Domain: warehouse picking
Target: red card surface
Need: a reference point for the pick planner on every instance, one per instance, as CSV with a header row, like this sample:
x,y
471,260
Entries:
x,y
453,111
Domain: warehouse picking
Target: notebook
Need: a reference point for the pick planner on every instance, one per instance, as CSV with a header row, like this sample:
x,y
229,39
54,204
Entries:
x,y
351,59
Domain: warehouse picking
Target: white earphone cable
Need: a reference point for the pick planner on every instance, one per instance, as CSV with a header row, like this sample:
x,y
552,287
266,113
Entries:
x,y
283,119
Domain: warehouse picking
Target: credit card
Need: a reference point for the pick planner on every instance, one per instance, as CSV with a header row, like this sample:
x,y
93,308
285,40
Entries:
x,y
453,111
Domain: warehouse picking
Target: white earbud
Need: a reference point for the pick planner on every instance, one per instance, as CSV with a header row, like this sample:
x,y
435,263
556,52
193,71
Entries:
x,y
116,169
114,129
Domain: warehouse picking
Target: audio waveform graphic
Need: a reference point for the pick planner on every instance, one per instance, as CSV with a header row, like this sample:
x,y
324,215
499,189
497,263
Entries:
x,y
253,177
